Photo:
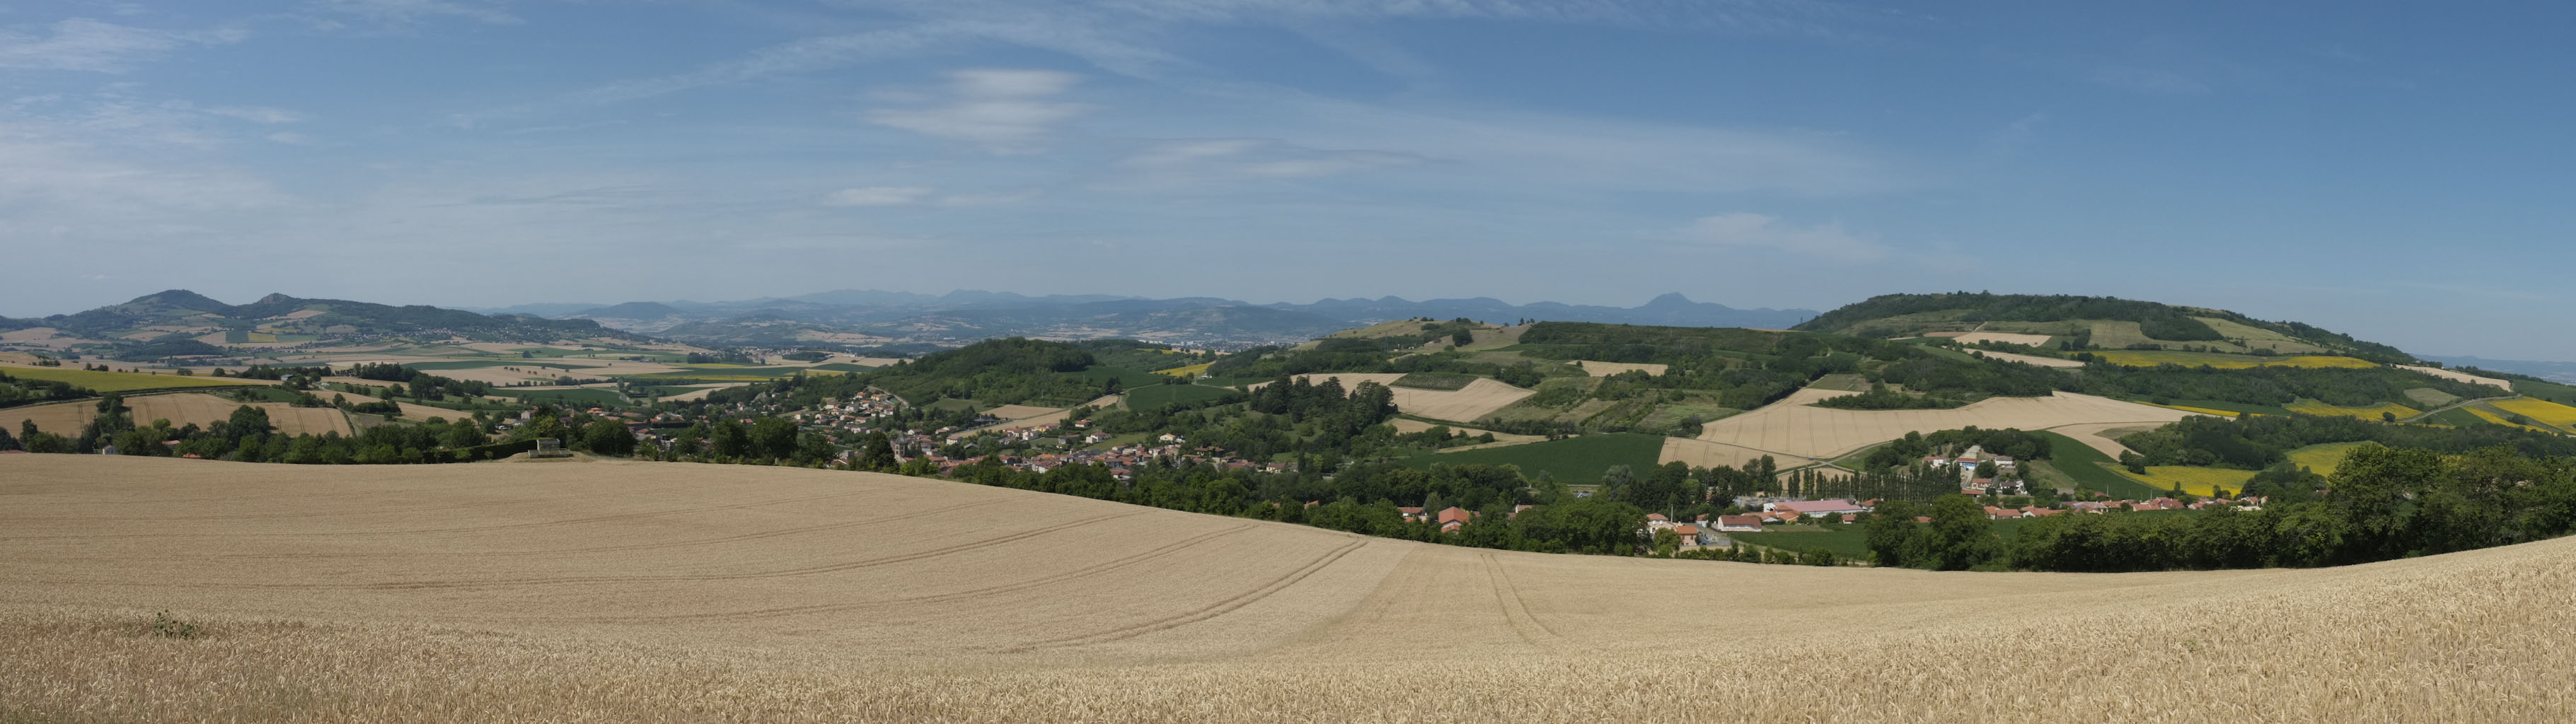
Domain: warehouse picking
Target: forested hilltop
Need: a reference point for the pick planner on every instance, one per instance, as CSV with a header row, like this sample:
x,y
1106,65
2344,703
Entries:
x,y
1898,315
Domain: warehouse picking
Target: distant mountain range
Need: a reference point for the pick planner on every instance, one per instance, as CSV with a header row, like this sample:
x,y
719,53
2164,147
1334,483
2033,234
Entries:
x,y
2564,372
182,323
877,318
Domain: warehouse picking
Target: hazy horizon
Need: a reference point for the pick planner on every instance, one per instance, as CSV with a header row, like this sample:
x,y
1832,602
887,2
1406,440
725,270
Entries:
x,y
2392,174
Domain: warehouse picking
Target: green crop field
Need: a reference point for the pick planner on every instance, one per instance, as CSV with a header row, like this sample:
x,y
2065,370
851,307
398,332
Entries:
x,y
2323,459
2455,417
2090,468
1127,378
1152,396
476,364
1435,381
2551,391
737,374
121,381
582,396
1578,460
842,367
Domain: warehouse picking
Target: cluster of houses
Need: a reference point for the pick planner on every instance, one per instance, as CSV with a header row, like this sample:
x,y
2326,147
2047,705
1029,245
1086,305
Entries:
x,y
1122,461
1707,531
2005,481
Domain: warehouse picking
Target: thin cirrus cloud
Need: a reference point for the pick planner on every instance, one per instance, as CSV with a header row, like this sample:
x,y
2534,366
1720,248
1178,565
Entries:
x,y
1004,110
82,44
918,196
1260,157
1750,230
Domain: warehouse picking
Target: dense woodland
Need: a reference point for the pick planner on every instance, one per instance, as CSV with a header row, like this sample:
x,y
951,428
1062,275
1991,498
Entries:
x,y
2160,321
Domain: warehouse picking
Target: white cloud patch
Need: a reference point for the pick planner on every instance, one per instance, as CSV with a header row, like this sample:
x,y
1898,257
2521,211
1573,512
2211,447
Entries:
x,y
255,114
1004,110
411,11
1259,157
919,196
879,196
83,44
1751,230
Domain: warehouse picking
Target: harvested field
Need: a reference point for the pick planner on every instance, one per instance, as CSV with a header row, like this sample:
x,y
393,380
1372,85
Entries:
x,y
1605,369
2458,376
2099,436
1406,425
1022,416
2229,361
2028,359
1705,454
1014,412
181,409
701,392
1795,427
46,337
563,592
2026,340
1468,404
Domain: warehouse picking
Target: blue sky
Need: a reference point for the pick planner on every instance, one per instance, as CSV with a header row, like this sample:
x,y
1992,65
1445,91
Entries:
x,y
2398,171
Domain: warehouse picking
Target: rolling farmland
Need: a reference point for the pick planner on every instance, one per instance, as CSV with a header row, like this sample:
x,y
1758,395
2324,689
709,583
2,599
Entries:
x,y
621,592
181,409
2542,411
1795,427
2388,410
124,381
2230,361
1478,399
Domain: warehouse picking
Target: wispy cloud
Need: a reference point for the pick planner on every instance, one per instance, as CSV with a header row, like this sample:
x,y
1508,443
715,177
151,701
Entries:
x,y
411,11
1751,230
1004,110
256,114
83,44
1259,157
919,196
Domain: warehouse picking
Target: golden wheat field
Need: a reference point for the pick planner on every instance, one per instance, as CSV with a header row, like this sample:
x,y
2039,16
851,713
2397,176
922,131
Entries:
x,y
183,409
643,592
1794,426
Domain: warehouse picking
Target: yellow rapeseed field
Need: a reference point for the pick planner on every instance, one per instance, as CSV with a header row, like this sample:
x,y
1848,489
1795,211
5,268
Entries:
x,y
2229,361
2193,480
2202,410
2542,411
2377,412
1187,371
2491,416
641,592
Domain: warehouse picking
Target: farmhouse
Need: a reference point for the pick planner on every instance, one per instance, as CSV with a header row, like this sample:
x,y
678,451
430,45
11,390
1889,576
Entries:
x,y
1816,508
1739,524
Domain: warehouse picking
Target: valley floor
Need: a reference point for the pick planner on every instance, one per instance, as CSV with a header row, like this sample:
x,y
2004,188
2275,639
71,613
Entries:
x,y
617,591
